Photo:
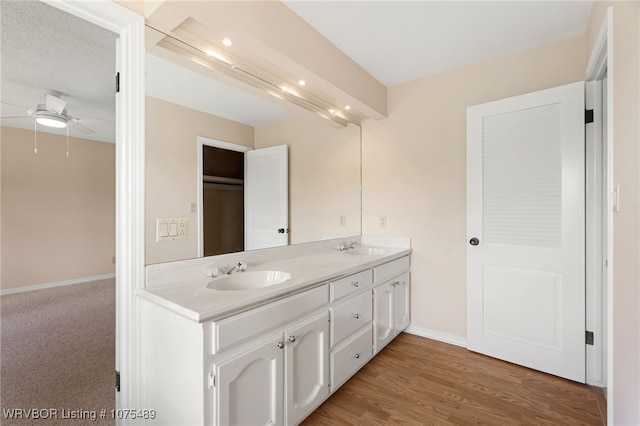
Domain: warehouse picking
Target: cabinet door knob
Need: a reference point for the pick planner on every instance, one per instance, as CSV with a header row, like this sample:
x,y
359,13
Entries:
x,y
280,345
355,283
292,339
356,356
356,316
474,241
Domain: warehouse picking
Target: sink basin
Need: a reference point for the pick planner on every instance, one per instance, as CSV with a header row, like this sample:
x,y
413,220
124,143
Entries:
x,y
248,280
371,251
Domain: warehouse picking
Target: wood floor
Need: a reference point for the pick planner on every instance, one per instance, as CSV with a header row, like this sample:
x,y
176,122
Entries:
x,y
418,381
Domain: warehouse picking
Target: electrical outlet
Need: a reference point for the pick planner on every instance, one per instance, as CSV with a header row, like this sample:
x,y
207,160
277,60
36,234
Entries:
x,y
382,221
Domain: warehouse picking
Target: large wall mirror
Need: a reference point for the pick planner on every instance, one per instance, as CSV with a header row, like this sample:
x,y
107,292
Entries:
x,y
194,112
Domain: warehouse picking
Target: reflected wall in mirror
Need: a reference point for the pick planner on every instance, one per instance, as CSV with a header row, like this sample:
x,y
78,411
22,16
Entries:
x,y
185,101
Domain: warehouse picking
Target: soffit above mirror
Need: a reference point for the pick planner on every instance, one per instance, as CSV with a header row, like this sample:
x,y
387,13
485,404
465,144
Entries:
x,y
273,49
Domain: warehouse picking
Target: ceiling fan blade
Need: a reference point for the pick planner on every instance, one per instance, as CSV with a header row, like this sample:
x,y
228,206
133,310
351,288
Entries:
x,y
14,106
14,116
55,104
81,127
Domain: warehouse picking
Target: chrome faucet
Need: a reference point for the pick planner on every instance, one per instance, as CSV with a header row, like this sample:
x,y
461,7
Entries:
x,y
346,246
226,270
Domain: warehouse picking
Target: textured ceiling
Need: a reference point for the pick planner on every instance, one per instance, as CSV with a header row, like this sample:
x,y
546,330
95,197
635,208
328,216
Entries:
x,y
401,41
44,48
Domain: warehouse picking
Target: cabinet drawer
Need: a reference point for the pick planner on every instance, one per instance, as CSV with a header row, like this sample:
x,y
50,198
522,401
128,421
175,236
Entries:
x,y
232,330
351,356
350,315
350,284
389,270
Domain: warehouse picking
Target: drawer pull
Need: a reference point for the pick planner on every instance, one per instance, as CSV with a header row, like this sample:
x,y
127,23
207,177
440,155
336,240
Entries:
x,y
280,345
395,283
292,339
355,283
356,316
356,356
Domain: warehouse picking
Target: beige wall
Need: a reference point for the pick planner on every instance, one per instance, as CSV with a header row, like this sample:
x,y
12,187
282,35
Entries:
x,y
414,168
58,213
625,71
171,170
324,174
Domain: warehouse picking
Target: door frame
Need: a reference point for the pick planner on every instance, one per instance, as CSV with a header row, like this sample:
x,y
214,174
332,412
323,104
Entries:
x,y
600,65
203,141
130,161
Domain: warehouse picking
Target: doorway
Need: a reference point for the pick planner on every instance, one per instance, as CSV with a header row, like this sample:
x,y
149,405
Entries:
x,y
221,188
222,200
264,185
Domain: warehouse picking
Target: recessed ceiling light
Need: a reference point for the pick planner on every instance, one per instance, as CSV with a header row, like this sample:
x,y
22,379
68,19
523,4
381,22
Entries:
x,y
302,82
347,107
227,42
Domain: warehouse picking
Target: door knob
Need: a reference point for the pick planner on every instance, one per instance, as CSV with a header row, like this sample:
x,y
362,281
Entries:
x,y
292,339
474,241
281,231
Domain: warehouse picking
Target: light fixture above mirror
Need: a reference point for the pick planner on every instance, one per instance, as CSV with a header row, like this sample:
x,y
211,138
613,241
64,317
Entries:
x,y
214,57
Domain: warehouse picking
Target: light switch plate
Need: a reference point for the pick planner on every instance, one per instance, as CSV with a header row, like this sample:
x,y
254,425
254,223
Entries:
x,y
172,229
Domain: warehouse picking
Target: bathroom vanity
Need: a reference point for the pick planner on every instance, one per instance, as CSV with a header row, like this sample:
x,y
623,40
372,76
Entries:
x,y
266,353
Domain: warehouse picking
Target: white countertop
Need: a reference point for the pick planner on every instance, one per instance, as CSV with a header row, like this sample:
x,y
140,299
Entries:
x,y
192,299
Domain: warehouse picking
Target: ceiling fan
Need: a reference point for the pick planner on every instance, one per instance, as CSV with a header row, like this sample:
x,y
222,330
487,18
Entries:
x,y
52,113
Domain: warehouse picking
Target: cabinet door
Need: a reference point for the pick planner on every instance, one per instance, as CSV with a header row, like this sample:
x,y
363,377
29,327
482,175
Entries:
x,y
383,315
250,388
402,309
307,366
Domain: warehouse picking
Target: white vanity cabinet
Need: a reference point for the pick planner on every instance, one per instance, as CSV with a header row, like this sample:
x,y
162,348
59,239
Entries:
x,y
269,361
277,379
391,294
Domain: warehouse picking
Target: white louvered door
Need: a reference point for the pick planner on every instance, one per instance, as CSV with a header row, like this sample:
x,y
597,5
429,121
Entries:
x,y
266,198
525,230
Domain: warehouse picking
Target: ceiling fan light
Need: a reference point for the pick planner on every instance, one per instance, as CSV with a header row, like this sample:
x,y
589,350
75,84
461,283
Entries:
x,y
52,121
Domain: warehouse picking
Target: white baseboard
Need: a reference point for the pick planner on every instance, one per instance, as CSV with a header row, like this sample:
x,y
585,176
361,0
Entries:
x,y
55,284
451,339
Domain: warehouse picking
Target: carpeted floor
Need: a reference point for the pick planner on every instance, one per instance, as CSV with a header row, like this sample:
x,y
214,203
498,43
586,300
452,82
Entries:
x,y
57,352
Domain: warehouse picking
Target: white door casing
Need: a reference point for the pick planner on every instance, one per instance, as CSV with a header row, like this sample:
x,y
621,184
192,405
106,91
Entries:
x,y
266,197
525,207
129,183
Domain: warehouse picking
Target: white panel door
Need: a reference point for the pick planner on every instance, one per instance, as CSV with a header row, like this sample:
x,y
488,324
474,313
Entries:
x,y
383,315
306,367
266,198
402,303
525,230
250,388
